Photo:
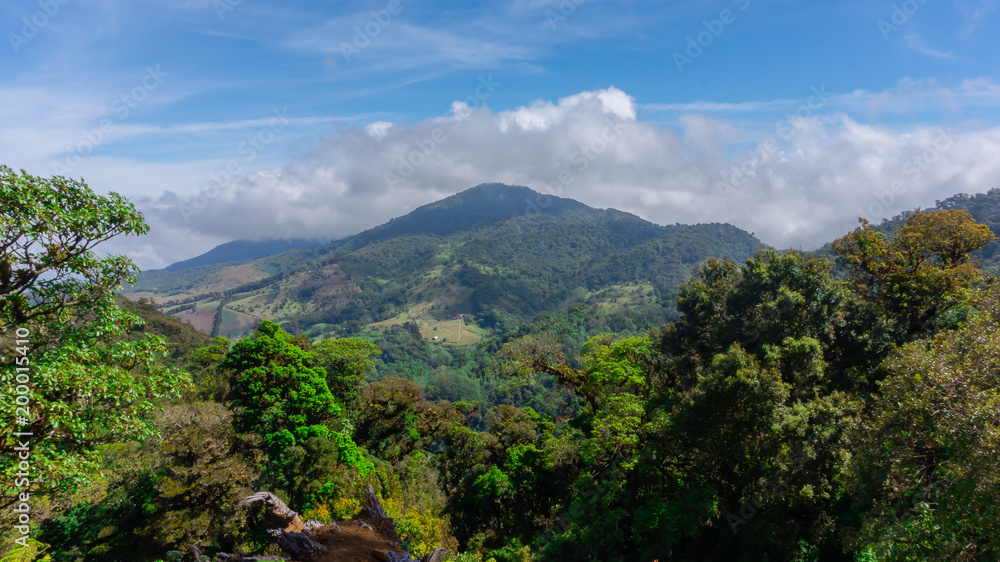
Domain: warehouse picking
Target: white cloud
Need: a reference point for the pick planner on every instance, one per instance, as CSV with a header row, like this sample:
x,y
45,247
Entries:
x,y
378,129
974,13
822,174
541,115
915,42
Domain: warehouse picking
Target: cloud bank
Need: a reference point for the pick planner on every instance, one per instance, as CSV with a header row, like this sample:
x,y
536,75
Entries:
x,y
800,183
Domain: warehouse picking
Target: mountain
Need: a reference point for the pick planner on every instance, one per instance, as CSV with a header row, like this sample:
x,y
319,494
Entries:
x,y
475,208
243,250
492,253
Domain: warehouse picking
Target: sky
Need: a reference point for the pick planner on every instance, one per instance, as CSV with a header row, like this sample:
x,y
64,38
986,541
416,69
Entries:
x,y
253,119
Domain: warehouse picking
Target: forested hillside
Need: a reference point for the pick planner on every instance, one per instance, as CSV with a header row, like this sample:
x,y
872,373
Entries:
x,y
790,412
490,250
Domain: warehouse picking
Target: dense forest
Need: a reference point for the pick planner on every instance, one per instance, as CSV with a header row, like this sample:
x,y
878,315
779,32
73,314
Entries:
x,y
796,407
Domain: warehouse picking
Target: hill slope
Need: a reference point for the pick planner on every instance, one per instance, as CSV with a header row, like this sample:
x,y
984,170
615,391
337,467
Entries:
x,y
487,252
242,250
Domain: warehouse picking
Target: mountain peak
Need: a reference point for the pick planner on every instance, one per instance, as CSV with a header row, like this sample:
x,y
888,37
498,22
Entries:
x,y
474,208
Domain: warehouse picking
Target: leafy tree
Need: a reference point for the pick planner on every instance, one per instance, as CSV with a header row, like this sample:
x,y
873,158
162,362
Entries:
x,y
85,385
166,494
396,420
615,382
927,464
387,421
919,273
774,295
48,229
204,363
746,395
349,364
279,393
276,386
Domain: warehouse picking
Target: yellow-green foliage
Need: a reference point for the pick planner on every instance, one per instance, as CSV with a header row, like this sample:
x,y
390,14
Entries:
x,y
319,513
31,553
421,529
344,508
340,509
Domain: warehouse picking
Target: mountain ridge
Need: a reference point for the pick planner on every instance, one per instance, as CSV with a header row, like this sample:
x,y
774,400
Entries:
x,y
243,250
491,249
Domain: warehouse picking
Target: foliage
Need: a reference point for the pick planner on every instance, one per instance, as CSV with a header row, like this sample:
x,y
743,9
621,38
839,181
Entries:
x,y
787,414
33,552
349,364
421,530
928,461
922,271
49,229
170,493
277,390
86,384
281,395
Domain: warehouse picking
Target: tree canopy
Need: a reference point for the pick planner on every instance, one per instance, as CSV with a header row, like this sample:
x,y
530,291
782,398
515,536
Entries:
x,y
84,383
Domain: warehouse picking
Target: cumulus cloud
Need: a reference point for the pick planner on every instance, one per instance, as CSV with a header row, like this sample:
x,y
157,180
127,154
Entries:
x,y
801,185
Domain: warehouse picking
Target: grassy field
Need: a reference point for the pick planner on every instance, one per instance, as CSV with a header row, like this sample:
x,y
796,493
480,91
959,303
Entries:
x,y
448,331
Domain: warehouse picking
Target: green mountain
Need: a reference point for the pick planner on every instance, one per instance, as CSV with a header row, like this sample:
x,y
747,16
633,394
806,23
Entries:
x,y
493,253
243,250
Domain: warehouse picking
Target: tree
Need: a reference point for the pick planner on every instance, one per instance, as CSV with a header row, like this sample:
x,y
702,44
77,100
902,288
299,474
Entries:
x,y
928,472
204,368
79,383
348,364
774,295
614,380
277,387
921,272
48,229
746,395
387,422
279,393
183,489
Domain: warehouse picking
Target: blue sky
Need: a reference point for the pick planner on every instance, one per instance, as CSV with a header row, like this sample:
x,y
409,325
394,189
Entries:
x,y
228,119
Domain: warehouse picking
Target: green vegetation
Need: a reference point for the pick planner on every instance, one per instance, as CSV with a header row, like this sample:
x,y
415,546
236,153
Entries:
x,y
782,407
474,253
80,384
